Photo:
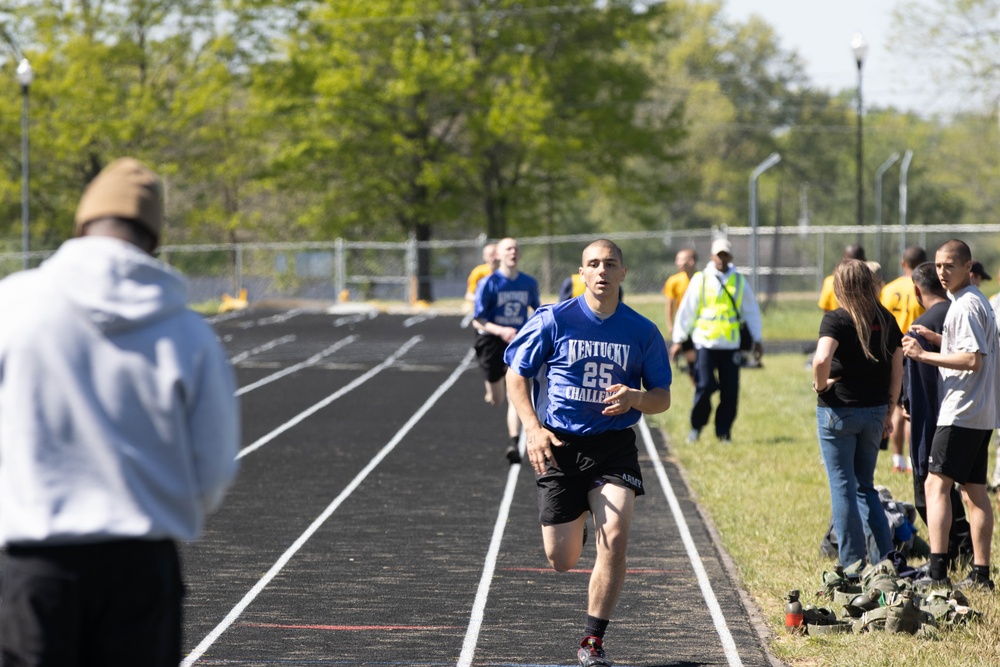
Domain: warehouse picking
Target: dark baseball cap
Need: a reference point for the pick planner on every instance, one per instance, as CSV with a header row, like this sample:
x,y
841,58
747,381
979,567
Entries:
x,y
977,269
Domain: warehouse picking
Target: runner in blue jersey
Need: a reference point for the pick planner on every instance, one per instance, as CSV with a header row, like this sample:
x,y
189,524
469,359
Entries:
x,y
503,300
583,362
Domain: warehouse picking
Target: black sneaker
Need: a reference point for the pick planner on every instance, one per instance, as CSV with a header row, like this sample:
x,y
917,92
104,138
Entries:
x,y
591,653
512,454
972,582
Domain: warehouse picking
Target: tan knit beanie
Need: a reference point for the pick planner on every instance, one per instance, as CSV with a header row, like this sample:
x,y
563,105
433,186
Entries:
x,y
124,189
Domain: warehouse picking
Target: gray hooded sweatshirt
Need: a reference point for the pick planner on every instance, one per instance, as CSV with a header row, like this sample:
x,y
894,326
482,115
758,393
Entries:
x,y
118,417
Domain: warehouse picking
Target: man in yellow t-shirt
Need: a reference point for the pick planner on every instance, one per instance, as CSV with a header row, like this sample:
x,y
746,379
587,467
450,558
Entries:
x,y
900,299
489,265
827,300
686,261
898,296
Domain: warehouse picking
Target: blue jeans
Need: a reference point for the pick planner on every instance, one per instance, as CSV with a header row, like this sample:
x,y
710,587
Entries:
x,y
849,440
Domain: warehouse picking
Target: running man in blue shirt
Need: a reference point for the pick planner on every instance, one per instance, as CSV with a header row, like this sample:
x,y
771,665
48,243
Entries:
x,y
578,414
502,307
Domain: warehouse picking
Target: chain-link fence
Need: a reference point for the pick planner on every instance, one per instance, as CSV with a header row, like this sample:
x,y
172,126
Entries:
x,y
778,260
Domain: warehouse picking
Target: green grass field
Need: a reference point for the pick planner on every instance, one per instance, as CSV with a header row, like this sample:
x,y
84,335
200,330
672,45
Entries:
x,y
767,495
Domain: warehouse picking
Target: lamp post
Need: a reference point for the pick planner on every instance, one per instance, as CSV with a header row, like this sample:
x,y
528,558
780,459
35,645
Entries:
x,y
860,48
904,170
879,173
770,161
25,75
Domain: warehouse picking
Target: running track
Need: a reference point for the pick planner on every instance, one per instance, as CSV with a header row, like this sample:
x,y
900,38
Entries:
x,y
376,522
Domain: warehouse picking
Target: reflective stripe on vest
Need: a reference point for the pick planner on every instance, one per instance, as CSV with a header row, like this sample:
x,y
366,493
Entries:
x,y
717,318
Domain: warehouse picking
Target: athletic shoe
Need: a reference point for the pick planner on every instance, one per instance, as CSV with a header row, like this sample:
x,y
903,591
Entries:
x,y
693,436
971,582
591,653
512,454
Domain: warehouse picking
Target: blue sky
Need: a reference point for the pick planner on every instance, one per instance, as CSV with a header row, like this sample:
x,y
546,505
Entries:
x,y
821,30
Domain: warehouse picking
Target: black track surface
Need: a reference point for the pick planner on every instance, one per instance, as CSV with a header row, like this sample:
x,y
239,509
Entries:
x,y
391,576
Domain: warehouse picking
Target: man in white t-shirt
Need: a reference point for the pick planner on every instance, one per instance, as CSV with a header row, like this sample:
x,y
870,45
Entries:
x,y
970,410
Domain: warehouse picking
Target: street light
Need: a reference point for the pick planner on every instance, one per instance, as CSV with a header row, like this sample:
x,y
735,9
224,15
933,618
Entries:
x,y
860,48
25,75
769,161
879,173
904,170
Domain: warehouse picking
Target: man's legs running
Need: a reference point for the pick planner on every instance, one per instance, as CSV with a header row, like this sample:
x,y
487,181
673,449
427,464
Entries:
x,y
496,392
612,507
564,543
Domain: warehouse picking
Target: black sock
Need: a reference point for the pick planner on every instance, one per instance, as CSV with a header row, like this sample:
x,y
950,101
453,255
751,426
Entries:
x,y
938,566
513,441
595,627
981,572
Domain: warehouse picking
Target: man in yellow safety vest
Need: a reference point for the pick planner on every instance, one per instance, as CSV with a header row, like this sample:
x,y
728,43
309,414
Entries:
x,y
718,299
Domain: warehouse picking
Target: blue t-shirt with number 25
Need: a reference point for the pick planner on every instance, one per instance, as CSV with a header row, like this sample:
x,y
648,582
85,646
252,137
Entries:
x,y
583,355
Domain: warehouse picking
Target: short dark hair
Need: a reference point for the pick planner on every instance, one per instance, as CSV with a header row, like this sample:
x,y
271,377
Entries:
x,y
914,256
855,251
926,278
610,245
957,248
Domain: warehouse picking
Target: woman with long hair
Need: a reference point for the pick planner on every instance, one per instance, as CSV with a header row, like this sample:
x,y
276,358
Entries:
x,y
857,375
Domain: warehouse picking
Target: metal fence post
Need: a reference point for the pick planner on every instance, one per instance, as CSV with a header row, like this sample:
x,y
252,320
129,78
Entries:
x,y
239,269
411,289
339,269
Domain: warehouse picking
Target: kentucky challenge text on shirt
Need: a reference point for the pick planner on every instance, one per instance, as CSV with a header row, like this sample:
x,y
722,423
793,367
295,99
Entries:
x,y
582,355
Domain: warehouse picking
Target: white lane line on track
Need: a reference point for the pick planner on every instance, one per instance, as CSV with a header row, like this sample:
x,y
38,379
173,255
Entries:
x,y
728,645
316,358
417,319
355,318
489,566
222,317
207,642
270,345
273,319
358,381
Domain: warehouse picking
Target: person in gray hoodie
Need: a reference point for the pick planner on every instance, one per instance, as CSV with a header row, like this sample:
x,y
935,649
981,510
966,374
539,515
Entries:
x,y
119,430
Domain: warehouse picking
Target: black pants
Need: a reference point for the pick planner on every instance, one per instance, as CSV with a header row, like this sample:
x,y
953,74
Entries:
x,y
113,604
708,365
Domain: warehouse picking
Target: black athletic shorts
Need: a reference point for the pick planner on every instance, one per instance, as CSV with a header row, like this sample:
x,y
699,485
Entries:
x,y
584,463
960,453
489,354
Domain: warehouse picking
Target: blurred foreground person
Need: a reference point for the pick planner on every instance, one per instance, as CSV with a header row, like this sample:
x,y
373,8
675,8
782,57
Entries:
x,y
119,430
